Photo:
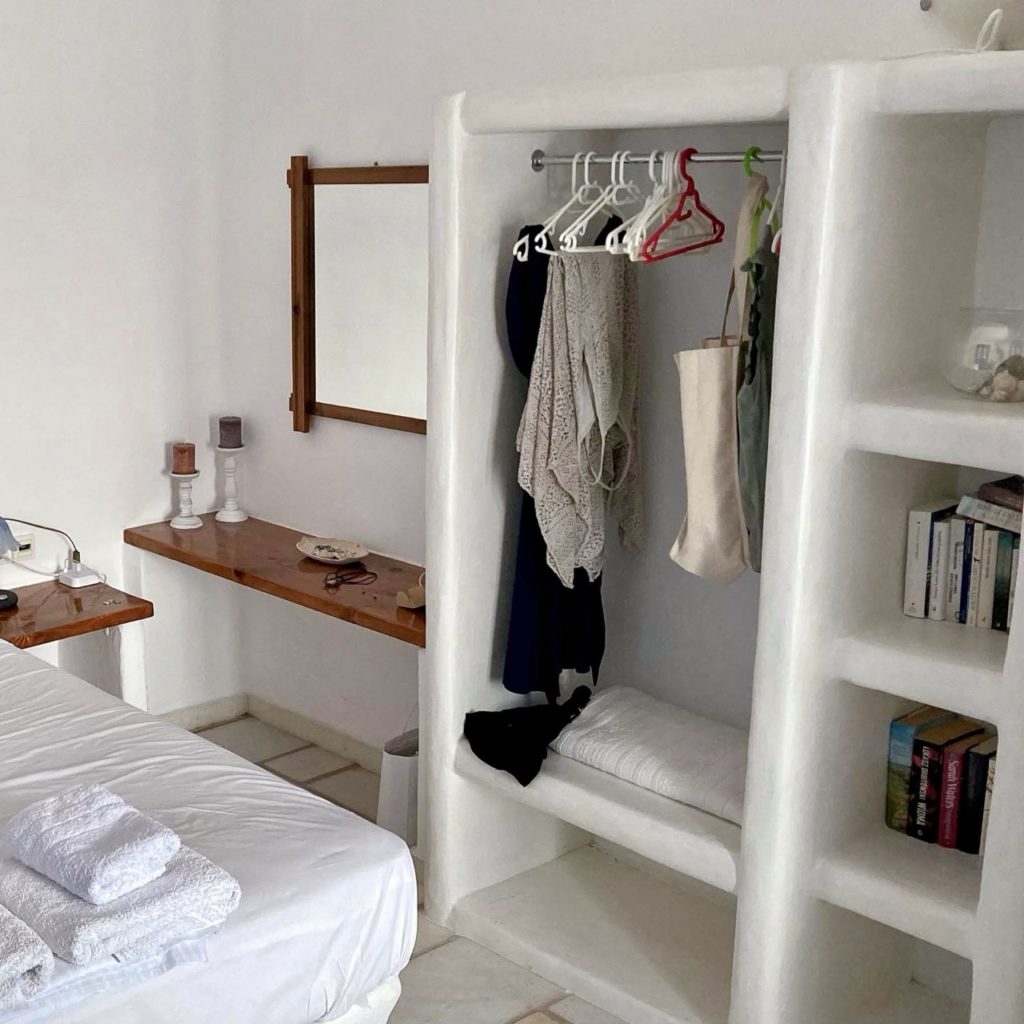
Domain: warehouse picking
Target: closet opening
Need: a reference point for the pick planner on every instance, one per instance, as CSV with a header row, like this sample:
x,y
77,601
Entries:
x,y
617,891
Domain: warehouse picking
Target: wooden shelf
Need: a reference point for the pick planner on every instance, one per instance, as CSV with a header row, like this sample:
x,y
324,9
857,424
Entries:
x,y
263,556
956,667
637,946
665,831
51,611
933,422
918,888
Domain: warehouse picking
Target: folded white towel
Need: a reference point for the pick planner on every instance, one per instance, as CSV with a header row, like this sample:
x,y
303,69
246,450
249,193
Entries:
x,y
661,747
90,841
192,896
73,984
26,964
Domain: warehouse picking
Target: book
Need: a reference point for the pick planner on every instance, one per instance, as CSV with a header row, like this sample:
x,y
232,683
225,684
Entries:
x,y
902,731
919,541
1008,492
956,567
953,758
1013,580
987,584
925,788
1004,571
974,794
938,569
990,781
966,561
991,515
974,585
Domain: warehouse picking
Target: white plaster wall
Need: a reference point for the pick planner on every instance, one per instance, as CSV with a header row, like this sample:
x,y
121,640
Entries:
x,y
108,224
357,82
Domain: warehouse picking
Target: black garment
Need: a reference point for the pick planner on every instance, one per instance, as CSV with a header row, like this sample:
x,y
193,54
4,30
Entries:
x,y
516,740
551,627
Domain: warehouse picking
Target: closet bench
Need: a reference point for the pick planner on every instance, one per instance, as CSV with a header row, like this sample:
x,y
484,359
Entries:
x,y
263,556
684,838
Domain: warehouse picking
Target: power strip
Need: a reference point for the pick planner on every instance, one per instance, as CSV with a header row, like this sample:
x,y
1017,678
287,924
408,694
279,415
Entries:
x,y
75,574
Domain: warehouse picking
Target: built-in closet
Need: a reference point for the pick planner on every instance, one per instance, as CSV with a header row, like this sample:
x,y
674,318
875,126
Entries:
x,y
812,912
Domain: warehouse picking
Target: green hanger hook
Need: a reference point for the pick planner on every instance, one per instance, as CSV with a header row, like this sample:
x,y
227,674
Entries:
x,y
753,153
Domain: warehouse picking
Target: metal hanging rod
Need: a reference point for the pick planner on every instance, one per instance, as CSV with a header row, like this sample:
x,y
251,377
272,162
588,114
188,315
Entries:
x,y
539,159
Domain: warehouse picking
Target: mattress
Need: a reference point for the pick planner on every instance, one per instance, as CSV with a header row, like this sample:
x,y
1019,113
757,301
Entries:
x,y
328,909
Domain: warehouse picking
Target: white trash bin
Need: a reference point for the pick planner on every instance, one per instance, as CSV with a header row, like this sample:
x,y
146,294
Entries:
x,y
396,808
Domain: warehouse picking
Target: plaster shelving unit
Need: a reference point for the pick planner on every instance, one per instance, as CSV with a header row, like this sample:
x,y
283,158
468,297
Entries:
x,y
813,912
665,831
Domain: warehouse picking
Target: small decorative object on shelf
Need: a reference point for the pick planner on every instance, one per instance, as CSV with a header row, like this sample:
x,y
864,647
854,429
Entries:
x,y
232,512
230,432
986,358
183,458
186,519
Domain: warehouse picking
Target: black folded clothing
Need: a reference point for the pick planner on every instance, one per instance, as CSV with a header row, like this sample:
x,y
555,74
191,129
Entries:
x,y
516,740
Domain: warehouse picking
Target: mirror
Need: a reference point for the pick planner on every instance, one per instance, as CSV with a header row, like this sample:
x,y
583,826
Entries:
x,y
359,294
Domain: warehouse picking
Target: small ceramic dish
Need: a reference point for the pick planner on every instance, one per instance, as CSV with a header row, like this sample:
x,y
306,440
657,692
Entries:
x,y
332,551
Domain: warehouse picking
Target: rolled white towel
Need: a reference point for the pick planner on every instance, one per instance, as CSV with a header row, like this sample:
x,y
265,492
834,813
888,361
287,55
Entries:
x,y
90,841
26,963
192,896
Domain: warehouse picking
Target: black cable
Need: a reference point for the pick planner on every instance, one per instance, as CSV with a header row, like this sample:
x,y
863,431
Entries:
x,y
356,576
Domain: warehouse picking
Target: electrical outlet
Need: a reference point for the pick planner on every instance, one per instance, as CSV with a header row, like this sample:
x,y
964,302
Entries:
x,y
27,551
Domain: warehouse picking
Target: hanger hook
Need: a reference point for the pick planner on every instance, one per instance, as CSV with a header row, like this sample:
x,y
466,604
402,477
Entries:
x,y
753,153
586,169
651,160
684,159
575,169
622,167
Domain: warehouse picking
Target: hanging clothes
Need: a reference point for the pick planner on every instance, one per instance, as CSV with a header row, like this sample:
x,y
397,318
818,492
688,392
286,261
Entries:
x,y
754,399
551,627
578,437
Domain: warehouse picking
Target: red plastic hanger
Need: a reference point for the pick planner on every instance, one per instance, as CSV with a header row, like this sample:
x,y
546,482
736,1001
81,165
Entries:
x,y
689,200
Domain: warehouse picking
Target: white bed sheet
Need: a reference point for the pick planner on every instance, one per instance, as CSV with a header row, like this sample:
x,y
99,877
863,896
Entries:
x,y
328,909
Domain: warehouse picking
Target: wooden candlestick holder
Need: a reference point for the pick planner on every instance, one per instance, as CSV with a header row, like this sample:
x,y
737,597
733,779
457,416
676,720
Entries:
x,y
232,512
186,519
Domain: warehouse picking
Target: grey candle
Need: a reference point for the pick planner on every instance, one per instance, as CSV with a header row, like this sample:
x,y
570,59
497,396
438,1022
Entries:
x,y
231,431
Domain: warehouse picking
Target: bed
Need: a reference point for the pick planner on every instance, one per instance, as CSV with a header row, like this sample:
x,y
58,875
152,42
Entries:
x,y
328,911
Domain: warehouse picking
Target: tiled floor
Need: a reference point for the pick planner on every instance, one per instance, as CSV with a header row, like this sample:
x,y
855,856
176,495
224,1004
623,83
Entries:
x,y
449,980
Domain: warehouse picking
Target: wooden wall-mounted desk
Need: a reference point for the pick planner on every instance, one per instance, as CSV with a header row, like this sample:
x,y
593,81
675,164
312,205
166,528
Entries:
x,y
50,611
263,556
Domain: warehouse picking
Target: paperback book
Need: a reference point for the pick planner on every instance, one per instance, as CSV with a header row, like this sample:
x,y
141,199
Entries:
x,y
925,789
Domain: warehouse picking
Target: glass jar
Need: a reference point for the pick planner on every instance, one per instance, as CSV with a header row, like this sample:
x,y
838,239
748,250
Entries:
x,y
986,357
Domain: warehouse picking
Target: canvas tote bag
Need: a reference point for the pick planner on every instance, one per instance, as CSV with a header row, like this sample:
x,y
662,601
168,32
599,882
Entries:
x,y
712,542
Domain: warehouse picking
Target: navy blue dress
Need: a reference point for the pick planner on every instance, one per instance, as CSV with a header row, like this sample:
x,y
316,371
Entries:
x,y
552,627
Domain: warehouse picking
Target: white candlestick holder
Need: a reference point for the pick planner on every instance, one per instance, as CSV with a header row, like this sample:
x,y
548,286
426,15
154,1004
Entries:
x,y
186,519
232,512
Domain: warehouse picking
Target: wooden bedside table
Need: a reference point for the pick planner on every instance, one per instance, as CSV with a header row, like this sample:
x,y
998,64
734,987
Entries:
x,y
50,611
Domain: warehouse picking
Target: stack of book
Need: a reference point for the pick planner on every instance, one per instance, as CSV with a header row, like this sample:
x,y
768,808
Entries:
x,y
941,771
962,556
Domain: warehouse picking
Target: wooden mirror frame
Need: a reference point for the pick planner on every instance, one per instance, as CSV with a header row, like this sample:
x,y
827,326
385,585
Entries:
x,y
301,180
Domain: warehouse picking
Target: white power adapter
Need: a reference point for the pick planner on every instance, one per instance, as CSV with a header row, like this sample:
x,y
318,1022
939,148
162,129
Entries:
x,y
75,574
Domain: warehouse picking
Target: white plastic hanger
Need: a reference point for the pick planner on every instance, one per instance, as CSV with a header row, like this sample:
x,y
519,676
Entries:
x,y
616,242
617,193
659,200
579,200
